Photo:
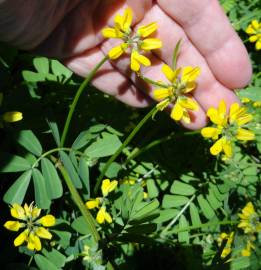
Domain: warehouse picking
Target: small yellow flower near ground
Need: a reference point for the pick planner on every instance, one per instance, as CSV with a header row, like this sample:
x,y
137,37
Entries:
x,y
100,202
182,81
228,128
137,42
28,218
254,31
10,117
249,219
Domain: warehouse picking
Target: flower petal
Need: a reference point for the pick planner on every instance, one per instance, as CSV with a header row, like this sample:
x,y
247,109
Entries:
x,y
227,148
147,30
13,225
188,103
151,44
43,233
91,204
210,132
177,112
34,242
245,134
170,74
108,186
190,74
117,51
47,221
161,93
109,32
217,147
11,117
137,60
21,238
17,211
101,215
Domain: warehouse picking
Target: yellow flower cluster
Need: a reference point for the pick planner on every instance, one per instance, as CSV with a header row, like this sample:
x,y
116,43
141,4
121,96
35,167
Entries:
x,y
137,42
256,104
228,127
10,117
34,228
175,91
254,31
133,182
100,202
249,222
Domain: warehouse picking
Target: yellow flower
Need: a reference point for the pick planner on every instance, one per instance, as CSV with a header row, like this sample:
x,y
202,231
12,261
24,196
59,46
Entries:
x,y
229,240
10,117
137,43
249,219
28,218
254,31
100,202
108,186
175,92
229,127
103,216
246,252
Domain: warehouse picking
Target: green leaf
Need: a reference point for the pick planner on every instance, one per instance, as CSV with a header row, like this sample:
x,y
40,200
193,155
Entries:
x,y
193,210
152,188
70,169
41,198
28,140
64,238
253,93
31,76
174,201
13,163
54,186
43,263
56,257
142,229
59,69
16,193
213,201
145,210
166,214
80,226
205,207
183,236
84,174
41,64
182,188
106,146
240,263
112,171
82,139
55,131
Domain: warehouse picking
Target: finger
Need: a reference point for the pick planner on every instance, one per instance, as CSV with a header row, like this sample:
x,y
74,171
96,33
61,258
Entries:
x,y
107,78
212,34
209,91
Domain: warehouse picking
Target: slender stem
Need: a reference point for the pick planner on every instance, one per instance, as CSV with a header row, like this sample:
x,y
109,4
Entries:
x,y
30,261
148,80
76,98
189,228
173,221
78,201
124,144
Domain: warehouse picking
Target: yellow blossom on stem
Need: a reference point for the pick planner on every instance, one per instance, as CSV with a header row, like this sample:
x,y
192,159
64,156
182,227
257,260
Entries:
x,y
246,252
100,202
229,127
28,218
249,219
254,31
181,82
229,238
136,43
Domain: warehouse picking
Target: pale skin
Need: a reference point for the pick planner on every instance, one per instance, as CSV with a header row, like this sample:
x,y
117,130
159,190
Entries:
x,y
70,30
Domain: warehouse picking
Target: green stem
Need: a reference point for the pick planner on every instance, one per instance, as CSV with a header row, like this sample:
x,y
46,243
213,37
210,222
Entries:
x,y
78,201
148,80
30,261
124,144
189,228
77,96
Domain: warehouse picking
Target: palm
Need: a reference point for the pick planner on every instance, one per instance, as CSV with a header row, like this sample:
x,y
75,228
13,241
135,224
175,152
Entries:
x,y
208,41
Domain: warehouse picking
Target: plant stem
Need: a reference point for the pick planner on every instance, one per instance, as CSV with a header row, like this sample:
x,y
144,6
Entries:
x,y
77,96
189,228
78,201
173,221
124,144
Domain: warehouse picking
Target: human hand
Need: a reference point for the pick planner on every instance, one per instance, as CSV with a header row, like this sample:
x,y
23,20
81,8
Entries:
x,y
71,30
